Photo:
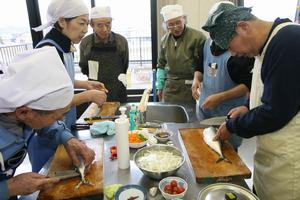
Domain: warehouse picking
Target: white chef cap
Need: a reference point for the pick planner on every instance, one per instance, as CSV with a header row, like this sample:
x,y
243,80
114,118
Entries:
x,y
100,12
36,79
63,8
171,11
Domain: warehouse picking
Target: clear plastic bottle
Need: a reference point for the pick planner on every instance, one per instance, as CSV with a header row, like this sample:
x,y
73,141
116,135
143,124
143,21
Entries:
x,y
132,117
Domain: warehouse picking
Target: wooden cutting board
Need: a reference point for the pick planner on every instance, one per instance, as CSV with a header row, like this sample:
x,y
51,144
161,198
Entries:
x,y
107,109
203,158
65,189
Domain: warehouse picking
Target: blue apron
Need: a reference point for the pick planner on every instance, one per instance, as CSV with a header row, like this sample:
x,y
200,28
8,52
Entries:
x,y
13,150
217,79
70,117
41,148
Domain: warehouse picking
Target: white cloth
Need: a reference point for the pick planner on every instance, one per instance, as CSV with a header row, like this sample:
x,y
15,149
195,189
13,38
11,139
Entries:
x,y
100,12
36,79
122,78
171,11
63,8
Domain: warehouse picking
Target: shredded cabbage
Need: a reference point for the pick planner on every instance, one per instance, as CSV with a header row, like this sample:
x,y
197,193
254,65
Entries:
x,y
159,161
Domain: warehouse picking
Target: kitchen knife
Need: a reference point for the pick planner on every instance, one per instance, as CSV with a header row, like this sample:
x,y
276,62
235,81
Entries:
x,y
214,121
101,117
66,174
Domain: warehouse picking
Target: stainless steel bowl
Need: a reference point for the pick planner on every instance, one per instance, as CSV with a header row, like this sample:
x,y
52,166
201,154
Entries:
x,y
156,147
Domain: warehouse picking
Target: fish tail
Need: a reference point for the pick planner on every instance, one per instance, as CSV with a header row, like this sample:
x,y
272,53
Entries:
x,y
222,158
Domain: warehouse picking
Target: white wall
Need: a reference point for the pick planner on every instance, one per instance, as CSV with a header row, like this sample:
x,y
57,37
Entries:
x,y
197,11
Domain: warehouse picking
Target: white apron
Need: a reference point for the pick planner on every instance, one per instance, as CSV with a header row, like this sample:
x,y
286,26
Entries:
x,y
277,158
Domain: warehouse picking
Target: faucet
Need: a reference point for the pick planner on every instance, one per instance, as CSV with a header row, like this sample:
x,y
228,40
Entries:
x,y
142,108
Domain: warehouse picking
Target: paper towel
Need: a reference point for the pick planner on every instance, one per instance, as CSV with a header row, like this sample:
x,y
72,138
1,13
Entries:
x,y
93,69
122,127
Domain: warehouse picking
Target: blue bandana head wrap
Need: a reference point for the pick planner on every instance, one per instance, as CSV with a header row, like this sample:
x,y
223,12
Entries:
x,y
222,21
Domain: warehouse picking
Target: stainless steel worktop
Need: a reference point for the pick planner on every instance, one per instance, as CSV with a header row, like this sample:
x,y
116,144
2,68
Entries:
x,y
133,175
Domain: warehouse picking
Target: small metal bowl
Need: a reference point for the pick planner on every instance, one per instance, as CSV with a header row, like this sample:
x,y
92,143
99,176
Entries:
x,y
163,136
158,147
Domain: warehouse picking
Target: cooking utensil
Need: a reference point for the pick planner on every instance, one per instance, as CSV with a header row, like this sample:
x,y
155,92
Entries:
x,y
214,121
140,154
131,192
66,174
81,126
203,159
218,191
173,194
101,117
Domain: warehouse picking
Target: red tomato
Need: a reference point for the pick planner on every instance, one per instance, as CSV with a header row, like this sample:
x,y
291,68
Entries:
x,y
168,189
175,190
180,189
173,183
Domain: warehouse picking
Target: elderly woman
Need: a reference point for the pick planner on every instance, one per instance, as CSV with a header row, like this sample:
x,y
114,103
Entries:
x,y
69,19
27,105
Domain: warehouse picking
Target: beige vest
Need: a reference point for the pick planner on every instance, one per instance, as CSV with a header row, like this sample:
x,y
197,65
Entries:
x,y
277,158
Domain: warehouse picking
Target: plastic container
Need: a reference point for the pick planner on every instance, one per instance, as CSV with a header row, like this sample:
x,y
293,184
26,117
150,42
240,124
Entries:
x,y
122,127
132,117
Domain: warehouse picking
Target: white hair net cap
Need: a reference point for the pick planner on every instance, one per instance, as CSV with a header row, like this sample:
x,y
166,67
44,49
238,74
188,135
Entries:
x,y
36,79
63,8
100,12
171,11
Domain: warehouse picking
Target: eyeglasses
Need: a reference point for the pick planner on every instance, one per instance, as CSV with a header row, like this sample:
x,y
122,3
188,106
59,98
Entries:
x,y
174,25
101,26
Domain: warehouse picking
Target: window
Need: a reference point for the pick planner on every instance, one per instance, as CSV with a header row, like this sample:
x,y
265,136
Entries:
x,y
269,9
132,20
137,31
15,34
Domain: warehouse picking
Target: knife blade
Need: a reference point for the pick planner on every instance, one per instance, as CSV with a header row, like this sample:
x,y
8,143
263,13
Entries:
x,y
214,121
101,117
66,174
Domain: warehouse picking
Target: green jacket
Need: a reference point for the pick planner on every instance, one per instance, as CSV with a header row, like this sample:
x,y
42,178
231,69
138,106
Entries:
x,y
178,59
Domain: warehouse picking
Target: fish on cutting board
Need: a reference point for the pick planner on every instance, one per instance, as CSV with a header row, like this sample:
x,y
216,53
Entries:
x,y
208,136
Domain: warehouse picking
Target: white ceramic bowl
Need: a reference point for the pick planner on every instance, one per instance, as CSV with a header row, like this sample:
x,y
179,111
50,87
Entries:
x,y
140,144
181,182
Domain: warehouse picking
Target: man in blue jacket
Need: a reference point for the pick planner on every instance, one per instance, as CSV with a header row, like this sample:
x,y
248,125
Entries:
x,y
36,91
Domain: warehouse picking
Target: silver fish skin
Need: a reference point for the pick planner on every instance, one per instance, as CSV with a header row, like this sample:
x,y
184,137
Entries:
x,y
208,136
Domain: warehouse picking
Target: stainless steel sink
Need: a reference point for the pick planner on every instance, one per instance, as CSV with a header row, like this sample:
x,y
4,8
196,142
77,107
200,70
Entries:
x,y
159,112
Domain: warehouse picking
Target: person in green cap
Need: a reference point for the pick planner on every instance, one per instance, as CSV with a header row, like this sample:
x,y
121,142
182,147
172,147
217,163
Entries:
x,y
273,115
177,57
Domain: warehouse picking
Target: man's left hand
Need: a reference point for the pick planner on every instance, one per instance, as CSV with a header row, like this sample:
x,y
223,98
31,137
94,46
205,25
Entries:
x,y
77,149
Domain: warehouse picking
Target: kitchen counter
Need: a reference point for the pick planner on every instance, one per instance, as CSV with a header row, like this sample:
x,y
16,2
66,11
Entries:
x,y
133,175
